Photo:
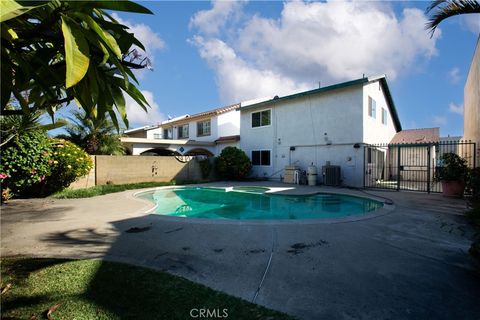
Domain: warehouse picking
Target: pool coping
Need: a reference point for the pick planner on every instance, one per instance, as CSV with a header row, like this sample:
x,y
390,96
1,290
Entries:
x,y
386,209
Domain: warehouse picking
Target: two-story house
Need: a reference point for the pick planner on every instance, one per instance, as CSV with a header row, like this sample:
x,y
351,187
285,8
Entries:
x,y
329,125
325,126
205,133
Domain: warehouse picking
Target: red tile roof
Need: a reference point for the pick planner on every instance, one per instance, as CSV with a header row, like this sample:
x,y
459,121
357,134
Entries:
x,y
213,112
416,136
228,139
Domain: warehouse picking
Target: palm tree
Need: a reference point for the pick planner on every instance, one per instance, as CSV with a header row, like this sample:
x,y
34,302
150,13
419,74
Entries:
x,y
443,9
95,136
12,126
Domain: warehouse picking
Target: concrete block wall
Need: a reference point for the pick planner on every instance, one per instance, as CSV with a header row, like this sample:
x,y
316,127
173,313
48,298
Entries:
x,y
133,169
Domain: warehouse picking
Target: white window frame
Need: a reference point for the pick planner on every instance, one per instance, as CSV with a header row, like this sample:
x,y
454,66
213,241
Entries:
x,y
372,113
180,127
384,116
204,135
261,165
260,111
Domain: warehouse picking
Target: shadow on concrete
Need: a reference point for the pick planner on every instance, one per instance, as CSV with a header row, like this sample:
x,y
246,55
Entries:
x,y
36,210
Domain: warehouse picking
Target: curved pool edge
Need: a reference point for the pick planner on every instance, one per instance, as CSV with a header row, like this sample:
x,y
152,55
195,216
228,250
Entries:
x,y
386,209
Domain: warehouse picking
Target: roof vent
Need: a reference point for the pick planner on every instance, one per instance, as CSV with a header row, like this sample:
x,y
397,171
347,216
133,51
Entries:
x,y
276,97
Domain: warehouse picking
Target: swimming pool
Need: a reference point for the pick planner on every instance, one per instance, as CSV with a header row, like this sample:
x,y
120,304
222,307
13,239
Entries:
x,y
252,203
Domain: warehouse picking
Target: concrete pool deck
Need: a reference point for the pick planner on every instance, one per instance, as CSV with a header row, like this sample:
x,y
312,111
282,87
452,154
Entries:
x,y
409,263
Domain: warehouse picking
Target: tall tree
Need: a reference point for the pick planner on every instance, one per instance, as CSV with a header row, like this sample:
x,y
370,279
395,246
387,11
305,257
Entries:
x,y
55,52
440,10
95,136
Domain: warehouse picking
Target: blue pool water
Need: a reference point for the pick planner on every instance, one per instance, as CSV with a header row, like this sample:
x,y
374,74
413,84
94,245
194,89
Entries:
x,y
244,203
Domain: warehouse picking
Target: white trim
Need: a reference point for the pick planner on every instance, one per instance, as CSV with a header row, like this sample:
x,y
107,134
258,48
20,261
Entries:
x,y
260,111
261,165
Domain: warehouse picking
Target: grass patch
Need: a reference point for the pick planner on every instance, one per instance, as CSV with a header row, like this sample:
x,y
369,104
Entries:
x,y
105,189
93,289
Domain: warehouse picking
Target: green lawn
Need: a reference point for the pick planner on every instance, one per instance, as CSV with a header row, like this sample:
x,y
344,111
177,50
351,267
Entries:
x,y
109,188
93,289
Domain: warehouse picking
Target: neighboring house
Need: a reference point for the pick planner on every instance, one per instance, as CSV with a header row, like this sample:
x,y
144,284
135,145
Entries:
x,y
205,133
328,125
471,124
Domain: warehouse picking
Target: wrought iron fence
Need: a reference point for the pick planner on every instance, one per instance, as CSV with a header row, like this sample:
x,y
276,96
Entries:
x,y
411,166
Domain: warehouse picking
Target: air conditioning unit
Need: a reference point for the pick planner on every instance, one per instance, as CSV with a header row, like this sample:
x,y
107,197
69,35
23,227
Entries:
x,y
331,175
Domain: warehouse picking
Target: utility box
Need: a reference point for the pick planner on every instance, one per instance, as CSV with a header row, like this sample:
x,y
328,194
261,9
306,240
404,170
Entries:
x,y
291,174
331,175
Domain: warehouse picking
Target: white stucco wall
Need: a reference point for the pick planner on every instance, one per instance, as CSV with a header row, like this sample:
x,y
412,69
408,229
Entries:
x,y
228,124
373,130
310,124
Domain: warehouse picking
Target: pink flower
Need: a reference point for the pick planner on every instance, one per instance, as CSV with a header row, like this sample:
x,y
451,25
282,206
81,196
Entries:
x,y
33,171
50,161
41,178
3,176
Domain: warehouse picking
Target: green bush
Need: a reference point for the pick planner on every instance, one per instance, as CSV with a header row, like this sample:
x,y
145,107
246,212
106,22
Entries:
x,y
25,162
69,162
453,168
473,182
233,164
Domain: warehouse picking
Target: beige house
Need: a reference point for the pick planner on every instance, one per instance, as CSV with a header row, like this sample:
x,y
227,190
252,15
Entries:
x,y
471,122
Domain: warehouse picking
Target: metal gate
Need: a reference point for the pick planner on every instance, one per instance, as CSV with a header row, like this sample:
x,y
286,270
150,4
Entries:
x,y
411,166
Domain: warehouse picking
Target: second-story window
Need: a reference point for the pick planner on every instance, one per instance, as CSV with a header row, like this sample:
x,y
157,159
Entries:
x,y
203,128
183,131
261,118
372,108
168,133
384,116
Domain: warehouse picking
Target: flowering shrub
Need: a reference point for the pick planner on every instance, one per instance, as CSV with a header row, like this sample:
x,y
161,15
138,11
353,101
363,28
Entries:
x,y
25,162
233,164
68,163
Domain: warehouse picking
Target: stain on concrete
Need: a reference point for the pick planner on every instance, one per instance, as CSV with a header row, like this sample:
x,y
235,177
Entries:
x,y
138,229
300,247
219,250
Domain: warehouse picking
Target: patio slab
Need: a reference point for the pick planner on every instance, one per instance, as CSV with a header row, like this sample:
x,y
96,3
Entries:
x,y
409,263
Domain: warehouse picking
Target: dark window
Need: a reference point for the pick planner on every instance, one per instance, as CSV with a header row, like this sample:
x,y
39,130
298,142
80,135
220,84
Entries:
x,y
261,158
203,128
265,157
183,131
261,118
256,119
168,133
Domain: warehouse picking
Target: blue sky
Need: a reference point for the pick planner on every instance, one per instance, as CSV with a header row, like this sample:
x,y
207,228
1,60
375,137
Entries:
x,y
209,54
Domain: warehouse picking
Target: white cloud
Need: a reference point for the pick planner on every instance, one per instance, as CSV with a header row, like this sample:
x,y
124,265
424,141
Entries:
x,y
452,107
439,120
236,79
454,75
149,38
311,42
471,22
137,116
210,21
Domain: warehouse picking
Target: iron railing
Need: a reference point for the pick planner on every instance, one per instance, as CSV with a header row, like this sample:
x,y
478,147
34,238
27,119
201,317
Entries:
x,y
411,166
